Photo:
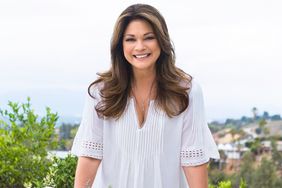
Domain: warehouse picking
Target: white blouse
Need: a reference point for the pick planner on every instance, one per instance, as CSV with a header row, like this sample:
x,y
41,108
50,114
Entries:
x,y
147,157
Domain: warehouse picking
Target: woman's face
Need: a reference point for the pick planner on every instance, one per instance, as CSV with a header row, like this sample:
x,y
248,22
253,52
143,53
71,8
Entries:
x,y
140,45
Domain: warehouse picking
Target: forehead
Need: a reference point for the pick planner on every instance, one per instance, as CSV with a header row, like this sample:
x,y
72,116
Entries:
x,y
138,26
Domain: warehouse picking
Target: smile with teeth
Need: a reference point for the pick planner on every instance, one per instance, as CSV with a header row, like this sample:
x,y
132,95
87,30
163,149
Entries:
x,y
139,56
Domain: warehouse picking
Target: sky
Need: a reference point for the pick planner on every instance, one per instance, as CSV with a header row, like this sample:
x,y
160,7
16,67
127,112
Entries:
x,y
51,51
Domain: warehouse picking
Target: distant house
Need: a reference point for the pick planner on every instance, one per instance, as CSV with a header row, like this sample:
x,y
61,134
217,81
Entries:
x,y
232,146
267,145
232,151
233,154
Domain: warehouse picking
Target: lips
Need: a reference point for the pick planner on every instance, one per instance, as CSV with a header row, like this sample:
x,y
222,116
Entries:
x,y
140,56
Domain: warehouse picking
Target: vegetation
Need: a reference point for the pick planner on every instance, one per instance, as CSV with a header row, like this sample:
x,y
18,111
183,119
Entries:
x,y
24,143
244,120
25,140
62,172
66,135
263,174
228,184
261,166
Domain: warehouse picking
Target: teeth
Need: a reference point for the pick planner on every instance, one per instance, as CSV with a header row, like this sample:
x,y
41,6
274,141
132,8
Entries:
x,y
141,56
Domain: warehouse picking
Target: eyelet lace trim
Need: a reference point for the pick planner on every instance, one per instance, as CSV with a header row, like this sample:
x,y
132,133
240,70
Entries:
x,y
92,145
91,149
190,154
193,157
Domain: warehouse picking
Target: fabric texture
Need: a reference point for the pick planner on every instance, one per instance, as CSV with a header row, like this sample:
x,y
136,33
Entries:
x,y
151,156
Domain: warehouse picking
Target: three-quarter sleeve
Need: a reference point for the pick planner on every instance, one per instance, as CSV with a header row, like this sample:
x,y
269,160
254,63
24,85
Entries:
x,y
197,143
88,141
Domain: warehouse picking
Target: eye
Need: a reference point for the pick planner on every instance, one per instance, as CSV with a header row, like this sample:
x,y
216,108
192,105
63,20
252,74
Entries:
x,y
150,38
129,39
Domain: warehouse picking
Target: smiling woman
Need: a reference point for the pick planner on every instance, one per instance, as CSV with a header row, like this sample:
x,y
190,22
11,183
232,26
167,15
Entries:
x,y
143,123
140,46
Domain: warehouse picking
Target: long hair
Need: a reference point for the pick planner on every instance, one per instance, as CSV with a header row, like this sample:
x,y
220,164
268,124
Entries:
x,y
172,96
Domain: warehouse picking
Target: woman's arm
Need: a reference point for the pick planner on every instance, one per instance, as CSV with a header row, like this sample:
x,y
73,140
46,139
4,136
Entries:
x,y
197,176
85,172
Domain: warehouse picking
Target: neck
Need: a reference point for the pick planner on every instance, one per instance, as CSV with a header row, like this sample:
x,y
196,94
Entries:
x,y
143,86
143,80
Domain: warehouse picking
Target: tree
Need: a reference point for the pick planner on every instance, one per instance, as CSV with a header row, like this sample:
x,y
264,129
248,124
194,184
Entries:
x,y
265,175
265,115
255,146
24,139
276,155
263,128
255,112
66,135
216,176
275,117
247,168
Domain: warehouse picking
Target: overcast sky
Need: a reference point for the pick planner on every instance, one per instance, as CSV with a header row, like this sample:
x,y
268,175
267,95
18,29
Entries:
x,y
51,50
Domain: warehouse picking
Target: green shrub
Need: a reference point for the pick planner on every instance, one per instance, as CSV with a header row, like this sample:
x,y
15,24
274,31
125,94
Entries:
x,y
228,184
224,184
24,140
62,172
216,176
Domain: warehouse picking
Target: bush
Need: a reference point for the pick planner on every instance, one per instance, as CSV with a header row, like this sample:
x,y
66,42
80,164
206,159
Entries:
x,y
228,184
216,176
24,140
62,172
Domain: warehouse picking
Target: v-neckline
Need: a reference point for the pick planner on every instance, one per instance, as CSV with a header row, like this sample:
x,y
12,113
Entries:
x,y
143,124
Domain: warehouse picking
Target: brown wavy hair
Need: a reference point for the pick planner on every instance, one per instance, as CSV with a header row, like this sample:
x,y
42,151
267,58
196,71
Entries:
x,y
172,96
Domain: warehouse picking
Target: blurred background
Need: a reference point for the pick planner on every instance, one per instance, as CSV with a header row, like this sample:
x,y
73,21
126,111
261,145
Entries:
x,y
51,50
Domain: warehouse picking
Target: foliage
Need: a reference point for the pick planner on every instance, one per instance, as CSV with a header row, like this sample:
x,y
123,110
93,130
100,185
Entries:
x,y
265,175
275,117
276,155
62,172
224,184
228,184
216,126
255,146
216,176
66,135
243,183
247,167
24,139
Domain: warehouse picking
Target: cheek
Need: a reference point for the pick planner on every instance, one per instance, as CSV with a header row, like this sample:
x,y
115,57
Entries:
x,y
126,50
126,53
158,50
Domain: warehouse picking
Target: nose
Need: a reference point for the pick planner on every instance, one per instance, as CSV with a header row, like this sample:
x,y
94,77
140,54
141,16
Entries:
x,y
140,45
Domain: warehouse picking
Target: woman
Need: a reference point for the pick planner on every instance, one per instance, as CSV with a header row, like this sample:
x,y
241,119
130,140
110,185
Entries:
x,y
143,124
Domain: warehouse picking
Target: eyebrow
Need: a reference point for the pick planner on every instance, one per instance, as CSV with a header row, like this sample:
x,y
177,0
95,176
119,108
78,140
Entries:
x,y
131,35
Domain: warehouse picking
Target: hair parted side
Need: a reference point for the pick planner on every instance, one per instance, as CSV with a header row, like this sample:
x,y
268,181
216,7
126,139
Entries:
x,y
172,96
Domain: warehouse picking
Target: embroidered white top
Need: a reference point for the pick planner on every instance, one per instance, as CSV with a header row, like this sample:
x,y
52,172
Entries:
x,y
151,156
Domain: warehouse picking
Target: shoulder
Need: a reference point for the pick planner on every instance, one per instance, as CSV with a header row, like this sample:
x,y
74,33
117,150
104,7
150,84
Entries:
x,y
191,84
195,86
